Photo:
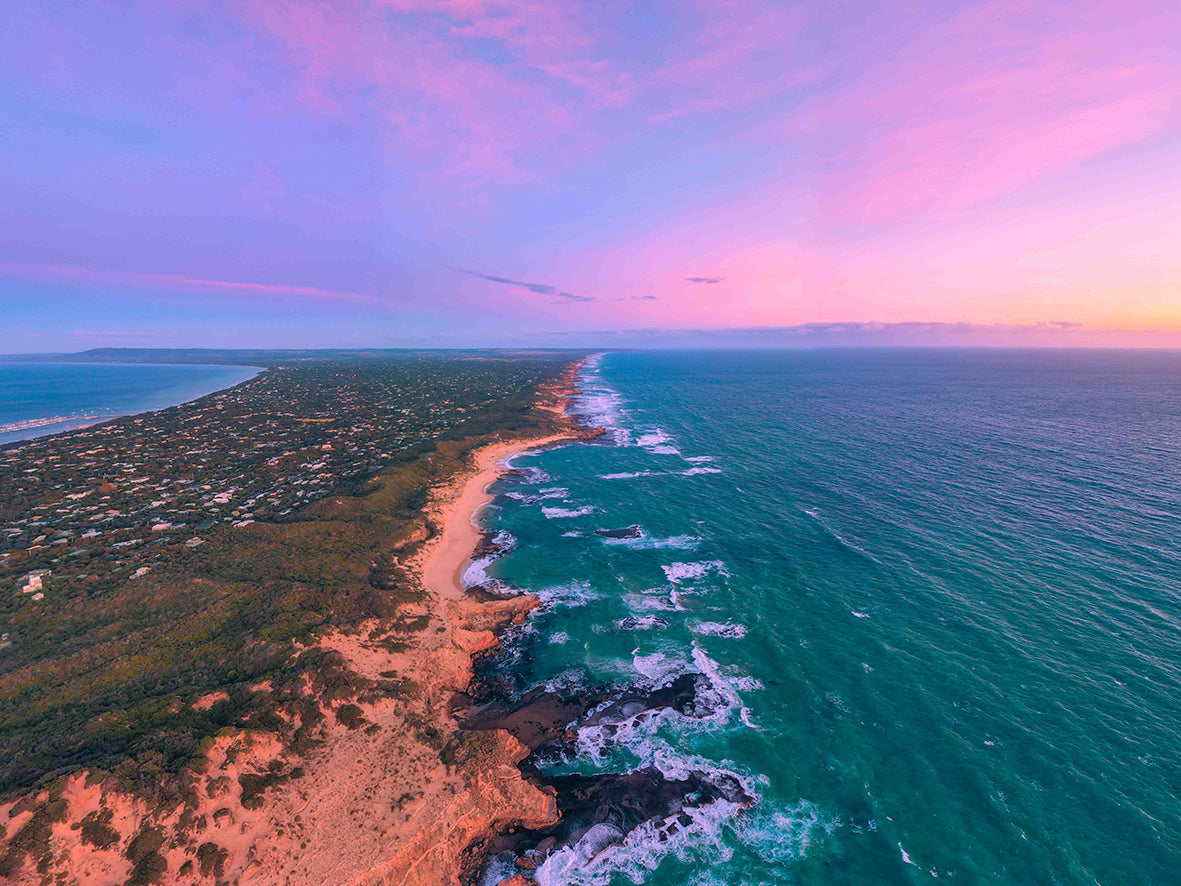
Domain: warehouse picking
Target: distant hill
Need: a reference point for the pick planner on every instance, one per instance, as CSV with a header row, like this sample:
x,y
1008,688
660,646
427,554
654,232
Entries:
x,y
252,356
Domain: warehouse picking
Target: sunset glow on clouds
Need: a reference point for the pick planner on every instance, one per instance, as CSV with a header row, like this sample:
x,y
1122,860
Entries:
x,y
475,173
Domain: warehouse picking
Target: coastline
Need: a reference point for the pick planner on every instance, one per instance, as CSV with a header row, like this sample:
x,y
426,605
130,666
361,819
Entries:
x,y
445,847
443,566
386,787
389,761
24,428
646,808
475,791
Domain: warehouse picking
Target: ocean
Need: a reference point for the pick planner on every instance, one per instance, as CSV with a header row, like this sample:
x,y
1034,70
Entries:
x,y
937,596
46,398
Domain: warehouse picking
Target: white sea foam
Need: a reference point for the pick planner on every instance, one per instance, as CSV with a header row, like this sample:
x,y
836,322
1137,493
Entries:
x,y
30,423
600,404
688,472
560,513
658,442
565,682
705,842
728,700
834,698
599,858
575,593
529,474
476,573
781,837
678,542
778,837
650,602
504,541
709,837
718,629
560,638
679,573
697,459
573,533
498,868
660,668
748,684
656,591
714,705
655,437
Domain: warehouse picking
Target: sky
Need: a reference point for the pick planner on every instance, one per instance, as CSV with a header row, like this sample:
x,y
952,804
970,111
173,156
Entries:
x,y
402,173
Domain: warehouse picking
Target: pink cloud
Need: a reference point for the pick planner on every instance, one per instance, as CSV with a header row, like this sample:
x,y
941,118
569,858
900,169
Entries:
x,y
883,160
990,105
445,103
958,162
482,89
178,282
743,52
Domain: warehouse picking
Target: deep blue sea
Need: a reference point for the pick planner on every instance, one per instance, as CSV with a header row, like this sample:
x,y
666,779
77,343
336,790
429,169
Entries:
x,y
937,594
46,398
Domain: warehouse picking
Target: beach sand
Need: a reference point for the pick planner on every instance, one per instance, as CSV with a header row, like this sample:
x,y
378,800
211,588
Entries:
x,y
444,565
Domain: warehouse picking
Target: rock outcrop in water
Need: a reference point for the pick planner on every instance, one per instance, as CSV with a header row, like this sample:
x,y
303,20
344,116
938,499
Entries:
x,y
633,531
641,623
596,811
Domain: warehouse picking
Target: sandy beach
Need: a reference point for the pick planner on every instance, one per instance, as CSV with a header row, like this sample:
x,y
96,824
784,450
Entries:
x,y
443,565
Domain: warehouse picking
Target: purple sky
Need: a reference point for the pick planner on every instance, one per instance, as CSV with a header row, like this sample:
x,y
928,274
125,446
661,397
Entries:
x,y
407,173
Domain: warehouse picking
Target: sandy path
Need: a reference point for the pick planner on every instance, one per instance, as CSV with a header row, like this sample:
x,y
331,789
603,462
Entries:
x,y
443,569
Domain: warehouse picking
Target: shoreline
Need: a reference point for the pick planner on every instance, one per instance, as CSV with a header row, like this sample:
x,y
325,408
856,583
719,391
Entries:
x,y
443,566
445,845
47,426
391,763
540,724
387,785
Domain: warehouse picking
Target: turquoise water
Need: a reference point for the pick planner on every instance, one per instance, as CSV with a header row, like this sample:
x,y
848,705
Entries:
x,y
46,398
938,595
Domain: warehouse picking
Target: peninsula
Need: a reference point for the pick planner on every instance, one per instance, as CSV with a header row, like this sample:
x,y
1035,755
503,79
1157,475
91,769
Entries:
x,y
248,628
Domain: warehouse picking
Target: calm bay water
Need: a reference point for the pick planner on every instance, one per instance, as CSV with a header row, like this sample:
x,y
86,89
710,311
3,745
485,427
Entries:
x,y
938,595
46,398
